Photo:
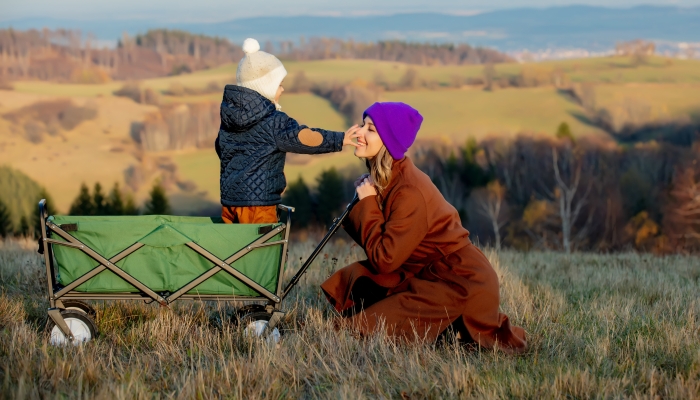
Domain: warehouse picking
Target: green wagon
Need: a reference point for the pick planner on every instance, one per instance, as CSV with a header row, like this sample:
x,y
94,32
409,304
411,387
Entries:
x,y
161,259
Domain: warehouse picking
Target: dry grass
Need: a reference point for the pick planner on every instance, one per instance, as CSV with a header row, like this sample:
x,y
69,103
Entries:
x,y
617,326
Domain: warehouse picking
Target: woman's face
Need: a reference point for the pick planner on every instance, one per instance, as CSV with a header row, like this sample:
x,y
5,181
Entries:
x,y
368,139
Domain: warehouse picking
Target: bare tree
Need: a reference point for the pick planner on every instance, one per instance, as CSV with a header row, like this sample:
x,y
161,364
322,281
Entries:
x,y
682,214
569,210
490,203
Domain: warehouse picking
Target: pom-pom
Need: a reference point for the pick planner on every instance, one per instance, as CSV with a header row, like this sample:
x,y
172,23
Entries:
x,y
250,45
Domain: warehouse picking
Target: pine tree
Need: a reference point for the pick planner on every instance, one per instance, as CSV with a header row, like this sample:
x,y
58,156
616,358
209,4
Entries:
x,y
25,230
130,207
158,203
298,196
330,196
83,204
5,221
115,201
99,201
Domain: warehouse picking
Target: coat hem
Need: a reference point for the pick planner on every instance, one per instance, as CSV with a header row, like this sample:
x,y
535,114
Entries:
x,y
249,203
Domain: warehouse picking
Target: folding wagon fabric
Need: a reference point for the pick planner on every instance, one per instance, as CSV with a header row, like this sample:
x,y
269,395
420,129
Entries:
x,y
165,263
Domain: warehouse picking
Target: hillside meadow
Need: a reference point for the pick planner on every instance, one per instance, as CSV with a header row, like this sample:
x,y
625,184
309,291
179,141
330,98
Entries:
x,y
665,89
599,326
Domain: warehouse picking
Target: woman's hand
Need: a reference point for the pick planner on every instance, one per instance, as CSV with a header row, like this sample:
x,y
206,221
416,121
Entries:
x,y
351,134
359,180
366,188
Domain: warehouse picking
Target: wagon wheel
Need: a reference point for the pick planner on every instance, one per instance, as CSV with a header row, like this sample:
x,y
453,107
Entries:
x,y
255,324
80,305
249,309
80,323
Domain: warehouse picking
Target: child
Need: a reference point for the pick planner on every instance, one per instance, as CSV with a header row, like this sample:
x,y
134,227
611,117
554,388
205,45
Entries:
x,y
255,136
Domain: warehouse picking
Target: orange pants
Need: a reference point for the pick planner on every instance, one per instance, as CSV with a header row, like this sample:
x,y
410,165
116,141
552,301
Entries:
x,y
249,215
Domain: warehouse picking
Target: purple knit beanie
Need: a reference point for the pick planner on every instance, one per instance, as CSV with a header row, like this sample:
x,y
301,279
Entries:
x,y
397,124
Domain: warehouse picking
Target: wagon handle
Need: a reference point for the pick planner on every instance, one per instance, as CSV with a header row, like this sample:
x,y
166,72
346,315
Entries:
x,y
331,231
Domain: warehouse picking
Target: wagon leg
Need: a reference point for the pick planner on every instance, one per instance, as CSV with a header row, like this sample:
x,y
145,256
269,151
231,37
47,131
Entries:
x,y
275,319
55,315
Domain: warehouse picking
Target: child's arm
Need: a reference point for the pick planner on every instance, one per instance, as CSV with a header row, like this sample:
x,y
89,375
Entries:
x,y
294,138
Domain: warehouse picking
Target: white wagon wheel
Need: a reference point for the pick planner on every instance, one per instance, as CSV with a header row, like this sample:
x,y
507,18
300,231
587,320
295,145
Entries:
x,y
255,324
80,324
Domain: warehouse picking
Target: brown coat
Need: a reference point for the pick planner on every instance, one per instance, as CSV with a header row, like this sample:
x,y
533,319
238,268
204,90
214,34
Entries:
x,y
422,273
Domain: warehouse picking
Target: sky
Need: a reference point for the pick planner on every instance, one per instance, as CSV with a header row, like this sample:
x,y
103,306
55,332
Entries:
x,y
222,10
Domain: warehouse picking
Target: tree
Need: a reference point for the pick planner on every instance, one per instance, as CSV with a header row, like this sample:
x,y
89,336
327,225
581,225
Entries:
x,y
491,204
569,210
130,206
115,201
682,216
300,83
298,196
330,195
158,203
410,79
564,132
83,204
98,200
5,221
24,229
489,76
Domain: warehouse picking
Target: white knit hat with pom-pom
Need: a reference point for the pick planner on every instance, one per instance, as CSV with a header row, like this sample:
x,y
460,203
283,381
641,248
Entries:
x,y
260,71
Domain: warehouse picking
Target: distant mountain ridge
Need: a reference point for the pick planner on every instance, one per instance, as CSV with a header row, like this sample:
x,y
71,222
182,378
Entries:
x,y
585,27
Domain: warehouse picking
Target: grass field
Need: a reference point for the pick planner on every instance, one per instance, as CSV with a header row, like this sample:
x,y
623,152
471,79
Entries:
x,y
669,88
599,326
476,113
602,69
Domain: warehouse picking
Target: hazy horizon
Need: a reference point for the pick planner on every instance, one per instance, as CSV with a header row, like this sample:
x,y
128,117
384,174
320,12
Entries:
x,y
217,10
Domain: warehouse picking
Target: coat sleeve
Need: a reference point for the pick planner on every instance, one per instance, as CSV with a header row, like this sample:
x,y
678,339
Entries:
x,y
286,134
217,147
390,242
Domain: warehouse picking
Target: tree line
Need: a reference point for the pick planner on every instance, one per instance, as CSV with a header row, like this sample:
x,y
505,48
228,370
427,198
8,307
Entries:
x,y
560,192
68,55
117,203
550,193
572,193
392,50
97,202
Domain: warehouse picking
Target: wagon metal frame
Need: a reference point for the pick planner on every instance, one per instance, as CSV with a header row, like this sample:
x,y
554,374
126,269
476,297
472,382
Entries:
x,y
57,293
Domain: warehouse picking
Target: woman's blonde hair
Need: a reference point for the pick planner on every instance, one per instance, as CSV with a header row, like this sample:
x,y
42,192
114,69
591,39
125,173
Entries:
x,y
380,170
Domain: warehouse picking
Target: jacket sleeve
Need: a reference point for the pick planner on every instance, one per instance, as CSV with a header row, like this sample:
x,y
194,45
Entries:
x,y
217,147
286,134
389,242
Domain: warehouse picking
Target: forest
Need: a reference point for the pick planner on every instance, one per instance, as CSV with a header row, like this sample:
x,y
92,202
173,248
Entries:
x,y
69,56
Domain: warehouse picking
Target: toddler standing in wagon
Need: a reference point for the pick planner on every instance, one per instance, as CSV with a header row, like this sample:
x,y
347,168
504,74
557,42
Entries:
x,y
255,136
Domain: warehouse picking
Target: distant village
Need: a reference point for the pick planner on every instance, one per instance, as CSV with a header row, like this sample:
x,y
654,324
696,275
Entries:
x,y
680,50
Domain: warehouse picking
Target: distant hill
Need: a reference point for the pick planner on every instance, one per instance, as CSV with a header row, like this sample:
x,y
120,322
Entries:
x,y
585,27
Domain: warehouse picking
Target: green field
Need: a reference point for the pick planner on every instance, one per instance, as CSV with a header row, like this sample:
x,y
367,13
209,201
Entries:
x,y
598,326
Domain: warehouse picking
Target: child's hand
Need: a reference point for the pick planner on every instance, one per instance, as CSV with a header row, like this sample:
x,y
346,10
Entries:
x,y
351,134
366,189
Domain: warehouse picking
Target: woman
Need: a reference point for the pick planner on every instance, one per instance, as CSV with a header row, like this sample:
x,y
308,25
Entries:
x,y
422,274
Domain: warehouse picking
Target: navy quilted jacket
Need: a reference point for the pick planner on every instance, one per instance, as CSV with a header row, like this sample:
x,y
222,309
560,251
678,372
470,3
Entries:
x,y
253,140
